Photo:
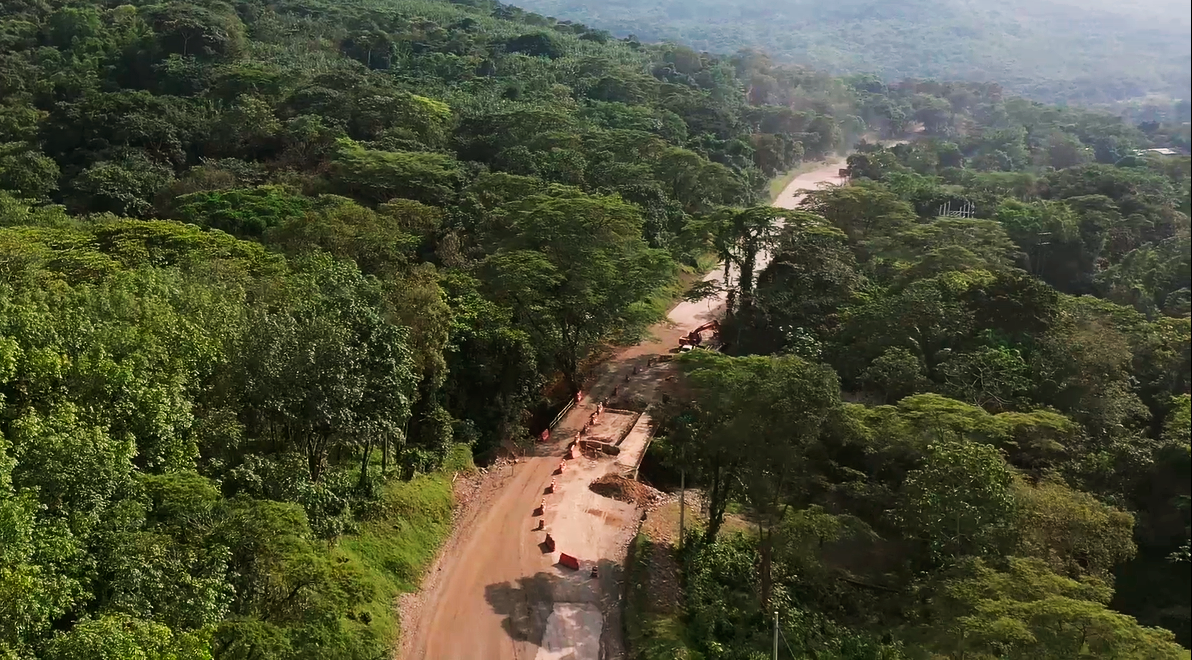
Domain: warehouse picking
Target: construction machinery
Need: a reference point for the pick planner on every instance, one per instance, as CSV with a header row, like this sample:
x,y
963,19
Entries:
x,y
696,337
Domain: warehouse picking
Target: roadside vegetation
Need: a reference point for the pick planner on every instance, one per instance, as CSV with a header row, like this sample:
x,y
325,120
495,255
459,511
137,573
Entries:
x,y
269,271
653,629
953,436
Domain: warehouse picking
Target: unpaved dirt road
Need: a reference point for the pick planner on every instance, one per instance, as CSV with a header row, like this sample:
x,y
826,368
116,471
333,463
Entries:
x,y
497,593
689,315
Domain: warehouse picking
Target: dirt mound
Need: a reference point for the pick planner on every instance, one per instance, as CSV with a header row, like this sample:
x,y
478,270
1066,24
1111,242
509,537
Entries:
x,y
623,489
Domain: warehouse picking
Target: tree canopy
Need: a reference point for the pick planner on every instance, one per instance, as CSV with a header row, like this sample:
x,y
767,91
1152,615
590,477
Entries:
x,y
993,461
269,271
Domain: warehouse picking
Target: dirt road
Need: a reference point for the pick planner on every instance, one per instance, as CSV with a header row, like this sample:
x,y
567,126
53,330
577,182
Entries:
x,y
689,315
497,592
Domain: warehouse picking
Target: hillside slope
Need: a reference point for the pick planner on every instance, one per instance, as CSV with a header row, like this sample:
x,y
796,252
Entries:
x,y
1052,50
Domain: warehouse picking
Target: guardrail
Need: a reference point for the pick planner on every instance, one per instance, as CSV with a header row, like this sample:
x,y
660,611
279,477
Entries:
x,y
558,418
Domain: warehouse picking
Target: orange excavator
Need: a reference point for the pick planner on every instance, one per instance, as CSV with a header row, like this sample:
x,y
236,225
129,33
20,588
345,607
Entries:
x,y
695,337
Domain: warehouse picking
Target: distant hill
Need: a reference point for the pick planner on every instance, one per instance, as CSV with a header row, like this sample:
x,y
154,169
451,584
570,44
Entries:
x,y
1077,51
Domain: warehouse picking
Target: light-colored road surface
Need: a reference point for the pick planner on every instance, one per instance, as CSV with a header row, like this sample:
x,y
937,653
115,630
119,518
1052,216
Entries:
x,y
496,593
691,314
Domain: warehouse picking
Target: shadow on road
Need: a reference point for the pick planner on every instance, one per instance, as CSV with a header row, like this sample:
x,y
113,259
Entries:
x,y
527,603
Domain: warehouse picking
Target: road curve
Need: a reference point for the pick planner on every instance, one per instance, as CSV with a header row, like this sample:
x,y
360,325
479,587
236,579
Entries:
x,y
490,594
692,314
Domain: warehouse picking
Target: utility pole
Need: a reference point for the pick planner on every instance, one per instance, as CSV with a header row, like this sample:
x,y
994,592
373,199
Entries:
x,y
1040,253
775,634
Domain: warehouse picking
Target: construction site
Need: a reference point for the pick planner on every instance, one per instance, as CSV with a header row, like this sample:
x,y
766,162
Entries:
x,y
534,569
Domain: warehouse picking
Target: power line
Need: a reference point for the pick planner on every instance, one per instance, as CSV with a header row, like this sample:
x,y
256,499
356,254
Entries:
x,y
788,644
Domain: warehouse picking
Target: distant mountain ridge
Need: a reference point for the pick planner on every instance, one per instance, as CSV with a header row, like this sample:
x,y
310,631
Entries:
x,y
1051,50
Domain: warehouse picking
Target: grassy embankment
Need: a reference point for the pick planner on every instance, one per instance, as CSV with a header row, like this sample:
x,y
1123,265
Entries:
x,y
670,295
395,548
654,629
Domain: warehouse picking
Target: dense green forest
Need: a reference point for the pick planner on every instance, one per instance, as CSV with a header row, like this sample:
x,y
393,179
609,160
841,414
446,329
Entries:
x,y
1049,50
270,270
954,414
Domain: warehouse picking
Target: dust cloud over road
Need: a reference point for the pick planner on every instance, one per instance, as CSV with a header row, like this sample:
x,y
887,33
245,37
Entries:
x,y
497,591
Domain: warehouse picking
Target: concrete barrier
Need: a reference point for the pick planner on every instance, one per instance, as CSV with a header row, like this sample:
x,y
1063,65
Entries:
x,y
569,561
611,450
629,429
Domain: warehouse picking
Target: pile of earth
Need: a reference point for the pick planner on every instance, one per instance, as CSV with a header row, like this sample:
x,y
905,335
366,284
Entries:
x,y
623,489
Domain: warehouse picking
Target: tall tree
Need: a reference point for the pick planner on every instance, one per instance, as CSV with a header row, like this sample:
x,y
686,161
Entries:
x,y
770,412
959,503
576,272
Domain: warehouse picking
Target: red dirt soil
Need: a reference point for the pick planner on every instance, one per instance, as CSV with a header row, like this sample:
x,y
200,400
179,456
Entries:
x,y
623,489
495,592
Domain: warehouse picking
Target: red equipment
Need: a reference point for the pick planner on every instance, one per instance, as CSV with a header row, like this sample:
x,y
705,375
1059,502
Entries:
x,y
695,337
